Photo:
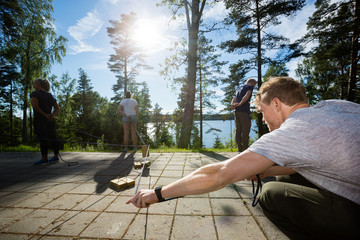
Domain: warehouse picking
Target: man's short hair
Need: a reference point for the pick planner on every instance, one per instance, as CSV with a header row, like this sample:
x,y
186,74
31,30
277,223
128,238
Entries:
x,y
251,80
286,89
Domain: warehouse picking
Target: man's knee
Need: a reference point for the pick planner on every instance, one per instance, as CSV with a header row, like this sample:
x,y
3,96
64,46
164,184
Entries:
x,y
271,195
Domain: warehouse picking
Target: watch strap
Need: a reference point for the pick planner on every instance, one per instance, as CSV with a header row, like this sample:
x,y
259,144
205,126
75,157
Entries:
x,y
158,194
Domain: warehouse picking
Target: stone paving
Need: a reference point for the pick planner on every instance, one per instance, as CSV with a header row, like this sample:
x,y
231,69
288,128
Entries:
x,y
58,201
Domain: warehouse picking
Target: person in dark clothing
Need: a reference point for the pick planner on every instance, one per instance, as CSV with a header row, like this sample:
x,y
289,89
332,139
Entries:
x,y
45,111
241,104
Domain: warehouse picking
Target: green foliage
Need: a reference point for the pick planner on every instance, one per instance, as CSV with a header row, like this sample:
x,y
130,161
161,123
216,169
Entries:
x,y
162,136
218,143
195,139
193,11
142,96
111,124
33,47
19,148
276,70
63,91
10,135
251,20
325,72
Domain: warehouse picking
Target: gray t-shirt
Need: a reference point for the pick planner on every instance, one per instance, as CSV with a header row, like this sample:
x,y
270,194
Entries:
x,y
322,143
129,106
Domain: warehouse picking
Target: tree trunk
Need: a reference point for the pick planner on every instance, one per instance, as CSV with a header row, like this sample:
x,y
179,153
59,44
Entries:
x,y
200,98
354,52
11,115
187,122
24,120
125,77
259,64
193,33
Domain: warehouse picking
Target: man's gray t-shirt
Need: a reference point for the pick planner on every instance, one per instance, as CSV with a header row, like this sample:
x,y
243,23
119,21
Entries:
x,y
322,143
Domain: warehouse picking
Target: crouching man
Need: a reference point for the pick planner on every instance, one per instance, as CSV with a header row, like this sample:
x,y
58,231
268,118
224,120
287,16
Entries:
x,y
313,151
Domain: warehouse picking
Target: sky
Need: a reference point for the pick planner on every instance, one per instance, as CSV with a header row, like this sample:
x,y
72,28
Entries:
x,y
84,23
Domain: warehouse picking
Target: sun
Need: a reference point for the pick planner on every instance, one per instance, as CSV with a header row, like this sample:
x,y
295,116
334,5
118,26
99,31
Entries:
x,y
146,34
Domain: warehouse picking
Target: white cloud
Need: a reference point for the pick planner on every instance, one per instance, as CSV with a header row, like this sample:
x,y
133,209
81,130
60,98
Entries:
x,y
84,29
216,12
295,28
113,2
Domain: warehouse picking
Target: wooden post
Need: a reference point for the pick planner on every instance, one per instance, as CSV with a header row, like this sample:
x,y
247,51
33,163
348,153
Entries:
x,y
144,149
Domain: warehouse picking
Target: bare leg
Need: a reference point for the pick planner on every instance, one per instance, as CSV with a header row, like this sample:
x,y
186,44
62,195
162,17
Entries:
x,y
133,134
126,134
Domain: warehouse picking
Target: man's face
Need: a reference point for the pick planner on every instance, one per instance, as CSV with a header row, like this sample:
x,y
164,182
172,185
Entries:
x,y
271,116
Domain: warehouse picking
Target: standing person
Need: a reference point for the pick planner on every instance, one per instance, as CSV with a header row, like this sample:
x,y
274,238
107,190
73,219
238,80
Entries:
x,y
314,151
129,109
45,111
241,104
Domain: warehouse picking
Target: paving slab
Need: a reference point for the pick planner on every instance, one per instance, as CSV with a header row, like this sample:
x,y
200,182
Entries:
x,y
58,201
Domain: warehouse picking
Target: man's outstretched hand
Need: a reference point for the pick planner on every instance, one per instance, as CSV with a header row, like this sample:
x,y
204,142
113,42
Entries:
x,y
143,198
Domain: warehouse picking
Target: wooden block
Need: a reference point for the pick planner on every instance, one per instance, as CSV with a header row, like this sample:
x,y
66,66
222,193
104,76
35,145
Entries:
x,y
138,165
122,182
144,150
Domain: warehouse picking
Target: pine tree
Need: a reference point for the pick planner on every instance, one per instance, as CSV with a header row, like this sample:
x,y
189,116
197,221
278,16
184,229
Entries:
x,y
328,70
193,12
128,59
218,143
251,19
38,47
87,107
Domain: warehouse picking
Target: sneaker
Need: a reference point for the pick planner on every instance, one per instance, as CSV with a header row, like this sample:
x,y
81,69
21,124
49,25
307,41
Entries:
x,y
40,162
54,160
135,149
125,150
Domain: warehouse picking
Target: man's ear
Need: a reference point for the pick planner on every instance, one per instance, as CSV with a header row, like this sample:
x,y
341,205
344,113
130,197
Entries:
x,y
277,103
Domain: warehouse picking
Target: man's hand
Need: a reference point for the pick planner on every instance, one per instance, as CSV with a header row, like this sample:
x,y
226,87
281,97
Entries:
x,y
254,178
143,198
275,170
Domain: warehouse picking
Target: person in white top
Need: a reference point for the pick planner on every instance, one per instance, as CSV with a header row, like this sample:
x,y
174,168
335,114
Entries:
x,y
128,107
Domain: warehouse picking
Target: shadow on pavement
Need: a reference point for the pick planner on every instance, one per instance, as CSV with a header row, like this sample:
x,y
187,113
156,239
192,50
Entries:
x,y
118,168
215,155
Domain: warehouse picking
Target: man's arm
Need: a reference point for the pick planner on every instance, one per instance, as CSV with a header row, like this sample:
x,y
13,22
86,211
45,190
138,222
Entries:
x,y
275,170
233,103
208,178
246,97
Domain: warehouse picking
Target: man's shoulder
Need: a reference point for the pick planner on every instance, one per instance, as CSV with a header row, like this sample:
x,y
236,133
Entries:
x,y
248,87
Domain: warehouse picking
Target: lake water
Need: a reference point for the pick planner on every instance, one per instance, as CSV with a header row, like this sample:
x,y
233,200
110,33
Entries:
x,y
224,129
227,131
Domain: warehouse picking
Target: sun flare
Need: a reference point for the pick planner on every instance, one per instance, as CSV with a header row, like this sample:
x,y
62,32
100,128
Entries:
x,y
146,34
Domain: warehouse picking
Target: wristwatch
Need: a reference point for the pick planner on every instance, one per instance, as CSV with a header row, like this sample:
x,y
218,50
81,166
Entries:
x,y
158,194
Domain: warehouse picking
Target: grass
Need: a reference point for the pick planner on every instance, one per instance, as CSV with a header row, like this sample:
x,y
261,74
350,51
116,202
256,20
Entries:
x,y
26,148
20,148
